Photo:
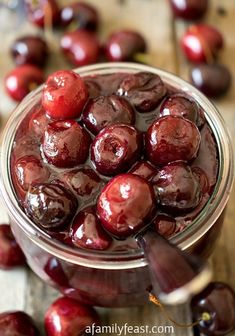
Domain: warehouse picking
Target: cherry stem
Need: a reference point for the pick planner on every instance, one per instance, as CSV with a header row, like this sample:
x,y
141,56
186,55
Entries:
x,y
205,316
142,58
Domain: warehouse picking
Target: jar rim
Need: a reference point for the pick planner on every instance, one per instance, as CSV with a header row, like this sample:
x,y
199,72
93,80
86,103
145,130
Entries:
x,y
132,258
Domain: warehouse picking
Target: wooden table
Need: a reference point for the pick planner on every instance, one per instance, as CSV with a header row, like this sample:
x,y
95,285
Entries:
x,y
20,288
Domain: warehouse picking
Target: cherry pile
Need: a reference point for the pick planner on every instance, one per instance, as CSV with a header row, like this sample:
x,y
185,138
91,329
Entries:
x,y
201,44
80,43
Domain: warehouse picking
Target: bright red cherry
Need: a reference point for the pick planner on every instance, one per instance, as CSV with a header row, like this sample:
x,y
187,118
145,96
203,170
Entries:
x,y
50,206
215,309
189,9
125,205
201,43
124,45
177,188
66,144
116,148
10,252
42,12
107,110
87,232
81,15
17,323
80,47
214,80
69,317
82,181
172,138
64,95
23,79
30,170
29,49
144,90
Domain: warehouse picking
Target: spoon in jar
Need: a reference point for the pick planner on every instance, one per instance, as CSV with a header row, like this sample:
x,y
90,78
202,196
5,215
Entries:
x,y
125,207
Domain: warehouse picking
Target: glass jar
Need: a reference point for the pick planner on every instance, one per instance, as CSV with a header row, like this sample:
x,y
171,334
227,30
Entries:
x,y
113,279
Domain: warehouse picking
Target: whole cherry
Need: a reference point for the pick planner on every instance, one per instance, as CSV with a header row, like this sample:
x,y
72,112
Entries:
x,y
87,232
214,308
189,9
69,317
29,49
66,144
81,15
125,205
23,79
80,47
107,110
116,148
10,252
144,90
214,80
201,43
17,323
50,206
124,45
178,189
42,12
172,138
64,95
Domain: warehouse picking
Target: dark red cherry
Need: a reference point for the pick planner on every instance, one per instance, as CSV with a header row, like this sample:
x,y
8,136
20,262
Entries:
x,y
30,170
189,9
23,79
17,323
207,158
69,317
81,15
201,43
66,144
144,90
107,110
177,188
214,80
116,148
165,225
26,145
125,205
87,232
172,138
143,169
124,45
179,104
215,309
80,47
42,12
29,49
83,181
93,87
10,252
50,206
38,121
203,179
56,273
64,95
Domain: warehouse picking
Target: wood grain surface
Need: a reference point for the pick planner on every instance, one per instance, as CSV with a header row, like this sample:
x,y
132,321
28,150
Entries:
x,y
20,288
